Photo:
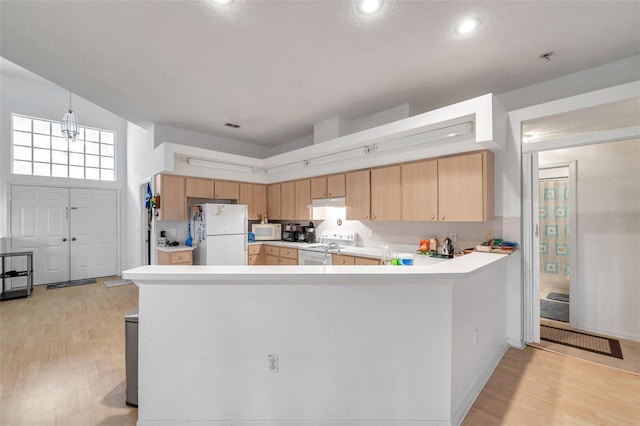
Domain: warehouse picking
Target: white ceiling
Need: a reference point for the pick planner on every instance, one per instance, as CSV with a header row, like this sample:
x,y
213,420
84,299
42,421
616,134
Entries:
x,y
278,67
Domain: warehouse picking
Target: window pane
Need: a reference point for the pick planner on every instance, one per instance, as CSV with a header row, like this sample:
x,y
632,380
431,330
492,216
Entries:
x,y
76,159
59,171
22,167
106,150
77,146
80,134
92,161
92,148
76,172
93,173
106,162
43,127
107,174
42,155
59,157
21,123
56,130
106,137
22,138
42,141
41,169
21,153
59,143
91,135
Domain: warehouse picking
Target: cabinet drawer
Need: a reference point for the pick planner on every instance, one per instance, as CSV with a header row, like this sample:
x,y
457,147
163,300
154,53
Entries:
x,y
272,251
255,259
255,249
271,260
366,261
339,259
289,253
180,257
285,261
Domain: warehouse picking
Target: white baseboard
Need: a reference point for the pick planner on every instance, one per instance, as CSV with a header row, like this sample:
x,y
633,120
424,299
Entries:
x,y
609,333
516,343
477,387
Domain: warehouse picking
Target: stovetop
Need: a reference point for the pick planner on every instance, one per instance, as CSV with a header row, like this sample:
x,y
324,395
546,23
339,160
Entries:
x,y
343,239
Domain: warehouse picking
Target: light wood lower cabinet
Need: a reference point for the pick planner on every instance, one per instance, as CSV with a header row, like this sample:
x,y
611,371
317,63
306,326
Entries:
x,y
274,255
256,255
345,259
181,257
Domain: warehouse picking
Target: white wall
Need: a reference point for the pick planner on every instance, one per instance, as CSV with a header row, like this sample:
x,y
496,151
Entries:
x,y
606,292
39,98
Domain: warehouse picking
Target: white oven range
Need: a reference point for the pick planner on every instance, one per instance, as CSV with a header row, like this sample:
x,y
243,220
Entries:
x,y
314,254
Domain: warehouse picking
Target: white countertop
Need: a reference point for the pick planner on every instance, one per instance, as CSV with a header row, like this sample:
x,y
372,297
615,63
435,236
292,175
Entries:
x,y
459,267
174,248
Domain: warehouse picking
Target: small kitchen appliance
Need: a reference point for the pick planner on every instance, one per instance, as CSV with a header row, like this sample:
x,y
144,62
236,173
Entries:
x,y
311,233
447,247
267,231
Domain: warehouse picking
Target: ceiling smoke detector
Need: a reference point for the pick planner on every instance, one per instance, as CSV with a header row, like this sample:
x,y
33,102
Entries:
x,y
232,125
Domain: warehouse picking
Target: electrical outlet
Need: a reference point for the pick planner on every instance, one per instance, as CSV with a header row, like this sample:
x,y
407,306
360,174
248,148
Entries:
x,y
370,233
272,363
475,336
489,234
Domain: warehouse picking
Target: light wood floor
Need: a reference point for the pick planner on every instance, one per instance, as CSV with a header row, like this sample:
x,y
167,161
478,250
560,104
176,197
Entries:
x,y
62,363
62,357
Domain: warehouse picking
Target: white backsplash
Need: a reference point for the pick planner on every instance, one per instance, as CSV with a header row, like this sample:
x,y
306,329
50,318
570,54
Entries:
x,y
372,234
179,226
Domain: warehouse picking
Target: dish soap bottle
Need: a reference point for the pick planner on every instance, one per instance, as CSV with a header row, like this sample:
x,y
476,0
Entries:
x,y
189,241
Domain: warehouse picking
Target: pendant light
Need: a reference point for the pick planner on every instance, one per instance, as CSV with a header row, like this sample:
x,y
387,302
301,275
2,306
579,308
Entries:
x,y
69,124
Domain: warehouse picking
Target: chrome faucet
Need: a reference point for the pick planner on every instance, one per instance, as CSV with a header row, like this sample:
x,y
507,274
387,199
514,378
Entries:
x,y
326,250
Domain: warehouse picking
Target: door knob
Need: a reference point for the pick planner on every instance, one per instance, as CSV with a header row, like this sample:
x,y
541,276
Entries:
x,y
73,239
64,239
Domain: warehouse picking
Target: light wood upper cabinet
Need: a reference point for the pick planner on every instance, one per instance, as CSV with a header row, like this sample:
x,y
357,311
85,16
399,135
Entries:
x,y
302,199
386,193
225,190
358,193
319,187
465,188
328,186
274,201
199,188
255,197
420,191
336,186
173,197
288,206
259,201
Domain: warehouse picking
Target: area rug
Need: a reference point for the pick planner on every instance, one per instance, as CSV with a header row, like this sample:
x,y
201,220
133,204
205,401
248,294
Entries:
x,y
117,283
558,296
584,341
64,284
558,311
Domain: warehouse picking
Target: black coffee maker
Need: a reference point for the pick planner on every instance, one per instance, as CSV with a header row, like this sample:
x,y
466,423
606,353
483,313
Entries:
x,y
311,233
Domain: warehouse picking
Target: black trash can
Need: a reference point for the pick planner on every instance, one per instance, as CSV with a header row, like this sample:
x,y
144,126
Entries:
x,y
131,357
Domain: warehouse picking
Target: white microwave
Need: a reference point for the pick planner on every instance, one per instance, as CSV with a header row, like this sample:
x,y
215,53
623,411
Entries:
x,y
267,231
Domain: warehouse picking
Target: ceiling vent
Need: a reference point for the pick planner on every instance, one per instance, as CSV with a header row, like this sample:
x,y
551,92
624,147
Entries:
x,y
233,125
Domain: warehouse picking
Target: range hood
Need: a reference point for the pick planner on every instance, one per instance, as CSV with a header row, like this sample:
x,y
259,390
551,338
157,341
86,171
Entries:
x,y
327,202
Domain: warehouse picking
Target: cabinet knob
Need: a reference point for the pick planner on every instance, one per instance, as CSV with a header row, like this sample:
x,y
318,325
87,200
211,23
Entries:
x,y
64,239
73,239
329,194
366,217
373,217
432,217
442,218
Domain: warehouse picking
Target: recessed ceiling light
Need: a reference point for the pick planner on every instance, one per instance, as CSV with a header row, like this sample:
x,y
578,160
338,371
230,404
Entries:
x,y
369,6
467,26
223,1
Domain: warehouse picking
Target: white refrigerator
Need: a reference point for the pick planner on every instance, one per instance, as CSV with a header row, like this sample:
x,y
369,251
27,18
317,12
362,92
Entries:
x,y
219,234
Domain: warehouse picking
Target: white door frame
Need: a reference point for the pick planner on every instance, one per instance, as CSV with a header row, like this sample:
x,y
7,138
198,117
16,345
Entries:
x,y
531,312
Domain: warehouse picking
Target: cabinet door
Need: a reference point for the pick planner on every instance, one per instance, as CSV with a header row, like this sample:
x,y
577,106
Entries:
x,y
319,187
289,253
246,197
173,198
274,201
386,194
420,191
225,190
366,261
465,188
271,260
335,185
358,195
259,201
302,199
199,188
256,259
288,200
341,259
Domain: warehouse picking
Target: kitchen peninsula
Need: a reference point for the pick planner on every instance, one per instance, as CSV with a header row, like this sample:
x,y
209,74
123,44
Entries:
x,y
318,345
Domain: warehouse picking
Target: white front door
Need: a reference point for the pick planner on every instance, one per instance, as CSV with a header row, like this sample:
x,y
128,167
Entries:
x,y
93,233
40,223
